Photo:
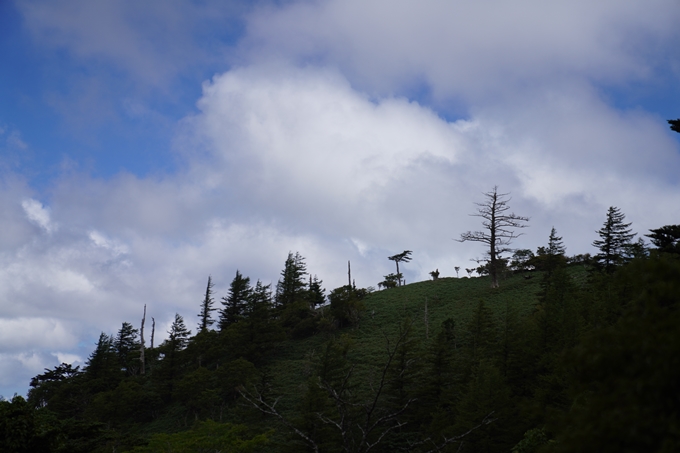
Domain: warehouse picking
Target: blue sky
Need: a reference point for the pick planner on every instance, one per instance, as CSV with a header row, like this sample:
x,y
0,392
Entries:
x,y
147,145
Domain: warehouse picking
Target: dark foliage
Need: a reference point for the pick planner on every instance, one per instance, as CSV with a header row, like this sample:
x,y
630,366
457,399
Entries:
x,y
585,361
615,241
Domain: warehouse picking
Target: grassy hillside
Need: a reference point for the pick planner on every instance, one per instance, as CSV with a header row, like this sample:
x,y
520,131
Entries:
x,y
386,310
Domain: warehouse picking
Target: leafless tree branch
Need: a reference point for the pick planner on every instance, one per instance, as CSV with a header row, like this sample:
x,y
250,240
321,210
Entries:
x,y
498,229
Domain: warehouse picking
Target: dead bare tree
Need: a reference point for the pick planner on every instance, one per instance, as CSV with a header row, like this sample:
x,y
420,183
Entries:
x,y
498,224
142,361
153,330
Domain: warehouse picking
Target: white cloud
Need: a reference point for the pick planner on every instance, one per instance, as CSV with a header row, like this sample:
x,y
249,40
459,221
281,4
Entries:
x,y
38,214
21,334
467,49
153,40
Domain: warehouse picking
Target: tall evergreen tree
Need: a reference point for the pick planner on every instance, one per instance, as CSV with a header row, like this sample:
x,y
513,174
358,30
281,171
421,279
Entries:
x,y
552,256
615,241
316,293
292,285
127,348
102,369
172,350
235,303
178,335
206,308
259,330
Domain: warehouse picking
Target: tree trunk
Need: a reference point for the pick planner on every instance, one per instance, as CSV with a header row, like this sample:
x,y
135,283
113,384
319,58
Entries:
x,y
142,370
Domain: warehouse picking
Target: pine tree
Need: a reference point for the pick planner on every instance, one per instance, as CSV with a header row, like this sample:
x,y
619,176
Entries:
x,y
316,293
551,257
615,242
292,285
206,308
174,358
258,331
127,348
102,369
235,303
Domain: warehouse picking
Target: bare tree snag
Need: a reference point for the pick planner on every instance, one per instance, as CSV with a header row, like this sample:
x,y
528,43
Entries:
x,y
349,274
142,361
153,330
498,225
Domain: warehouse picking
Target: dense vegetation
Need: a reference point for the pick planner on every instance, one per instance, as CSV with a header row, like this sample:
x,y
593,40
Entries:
x,y
567,354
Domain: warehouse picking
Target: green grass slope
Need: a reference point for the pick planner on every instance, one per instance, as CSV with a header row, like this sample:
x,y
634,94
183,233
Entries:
x,y
426,304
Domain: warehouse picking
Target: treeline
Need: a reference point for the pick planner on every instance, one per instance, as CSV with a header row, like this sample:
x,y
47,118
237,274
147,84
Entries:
x,y
125,384
593,367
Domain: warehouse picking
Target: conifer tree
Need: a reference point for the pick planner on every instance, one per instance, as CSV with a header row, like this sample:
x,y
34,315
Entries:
x,y
235,303
292,284
127,347
102,369
615,241
178,335
552,256
666,238
316,293
259,330
206,308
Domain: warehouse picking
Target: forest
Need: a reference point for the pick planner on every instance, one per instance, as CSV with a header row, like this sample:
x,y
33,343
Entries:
x,y
542,352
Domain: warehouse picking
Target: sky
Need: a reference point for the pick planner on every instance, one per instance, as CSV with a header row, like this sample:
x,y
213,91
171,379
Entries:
x,y
147,145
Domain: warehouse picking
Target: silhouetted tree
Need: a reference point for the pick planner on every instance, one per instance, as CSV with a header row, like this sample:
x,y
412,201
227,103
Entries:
x,y
666,238
550,257
292,284
403,257
206,308
675,125
236,301
127,348
178,335
615,242
102,369
316,293
498,224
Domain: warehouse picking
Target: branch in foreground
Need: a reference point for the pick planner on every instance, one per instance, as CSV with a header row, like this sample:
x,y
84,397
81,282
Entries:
x,y
270,409
447,440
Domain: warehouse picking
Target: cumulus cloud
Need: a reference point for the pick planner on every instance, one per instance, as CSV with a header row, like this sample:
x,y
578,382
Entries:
x,y
20,334
471,50
38,214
